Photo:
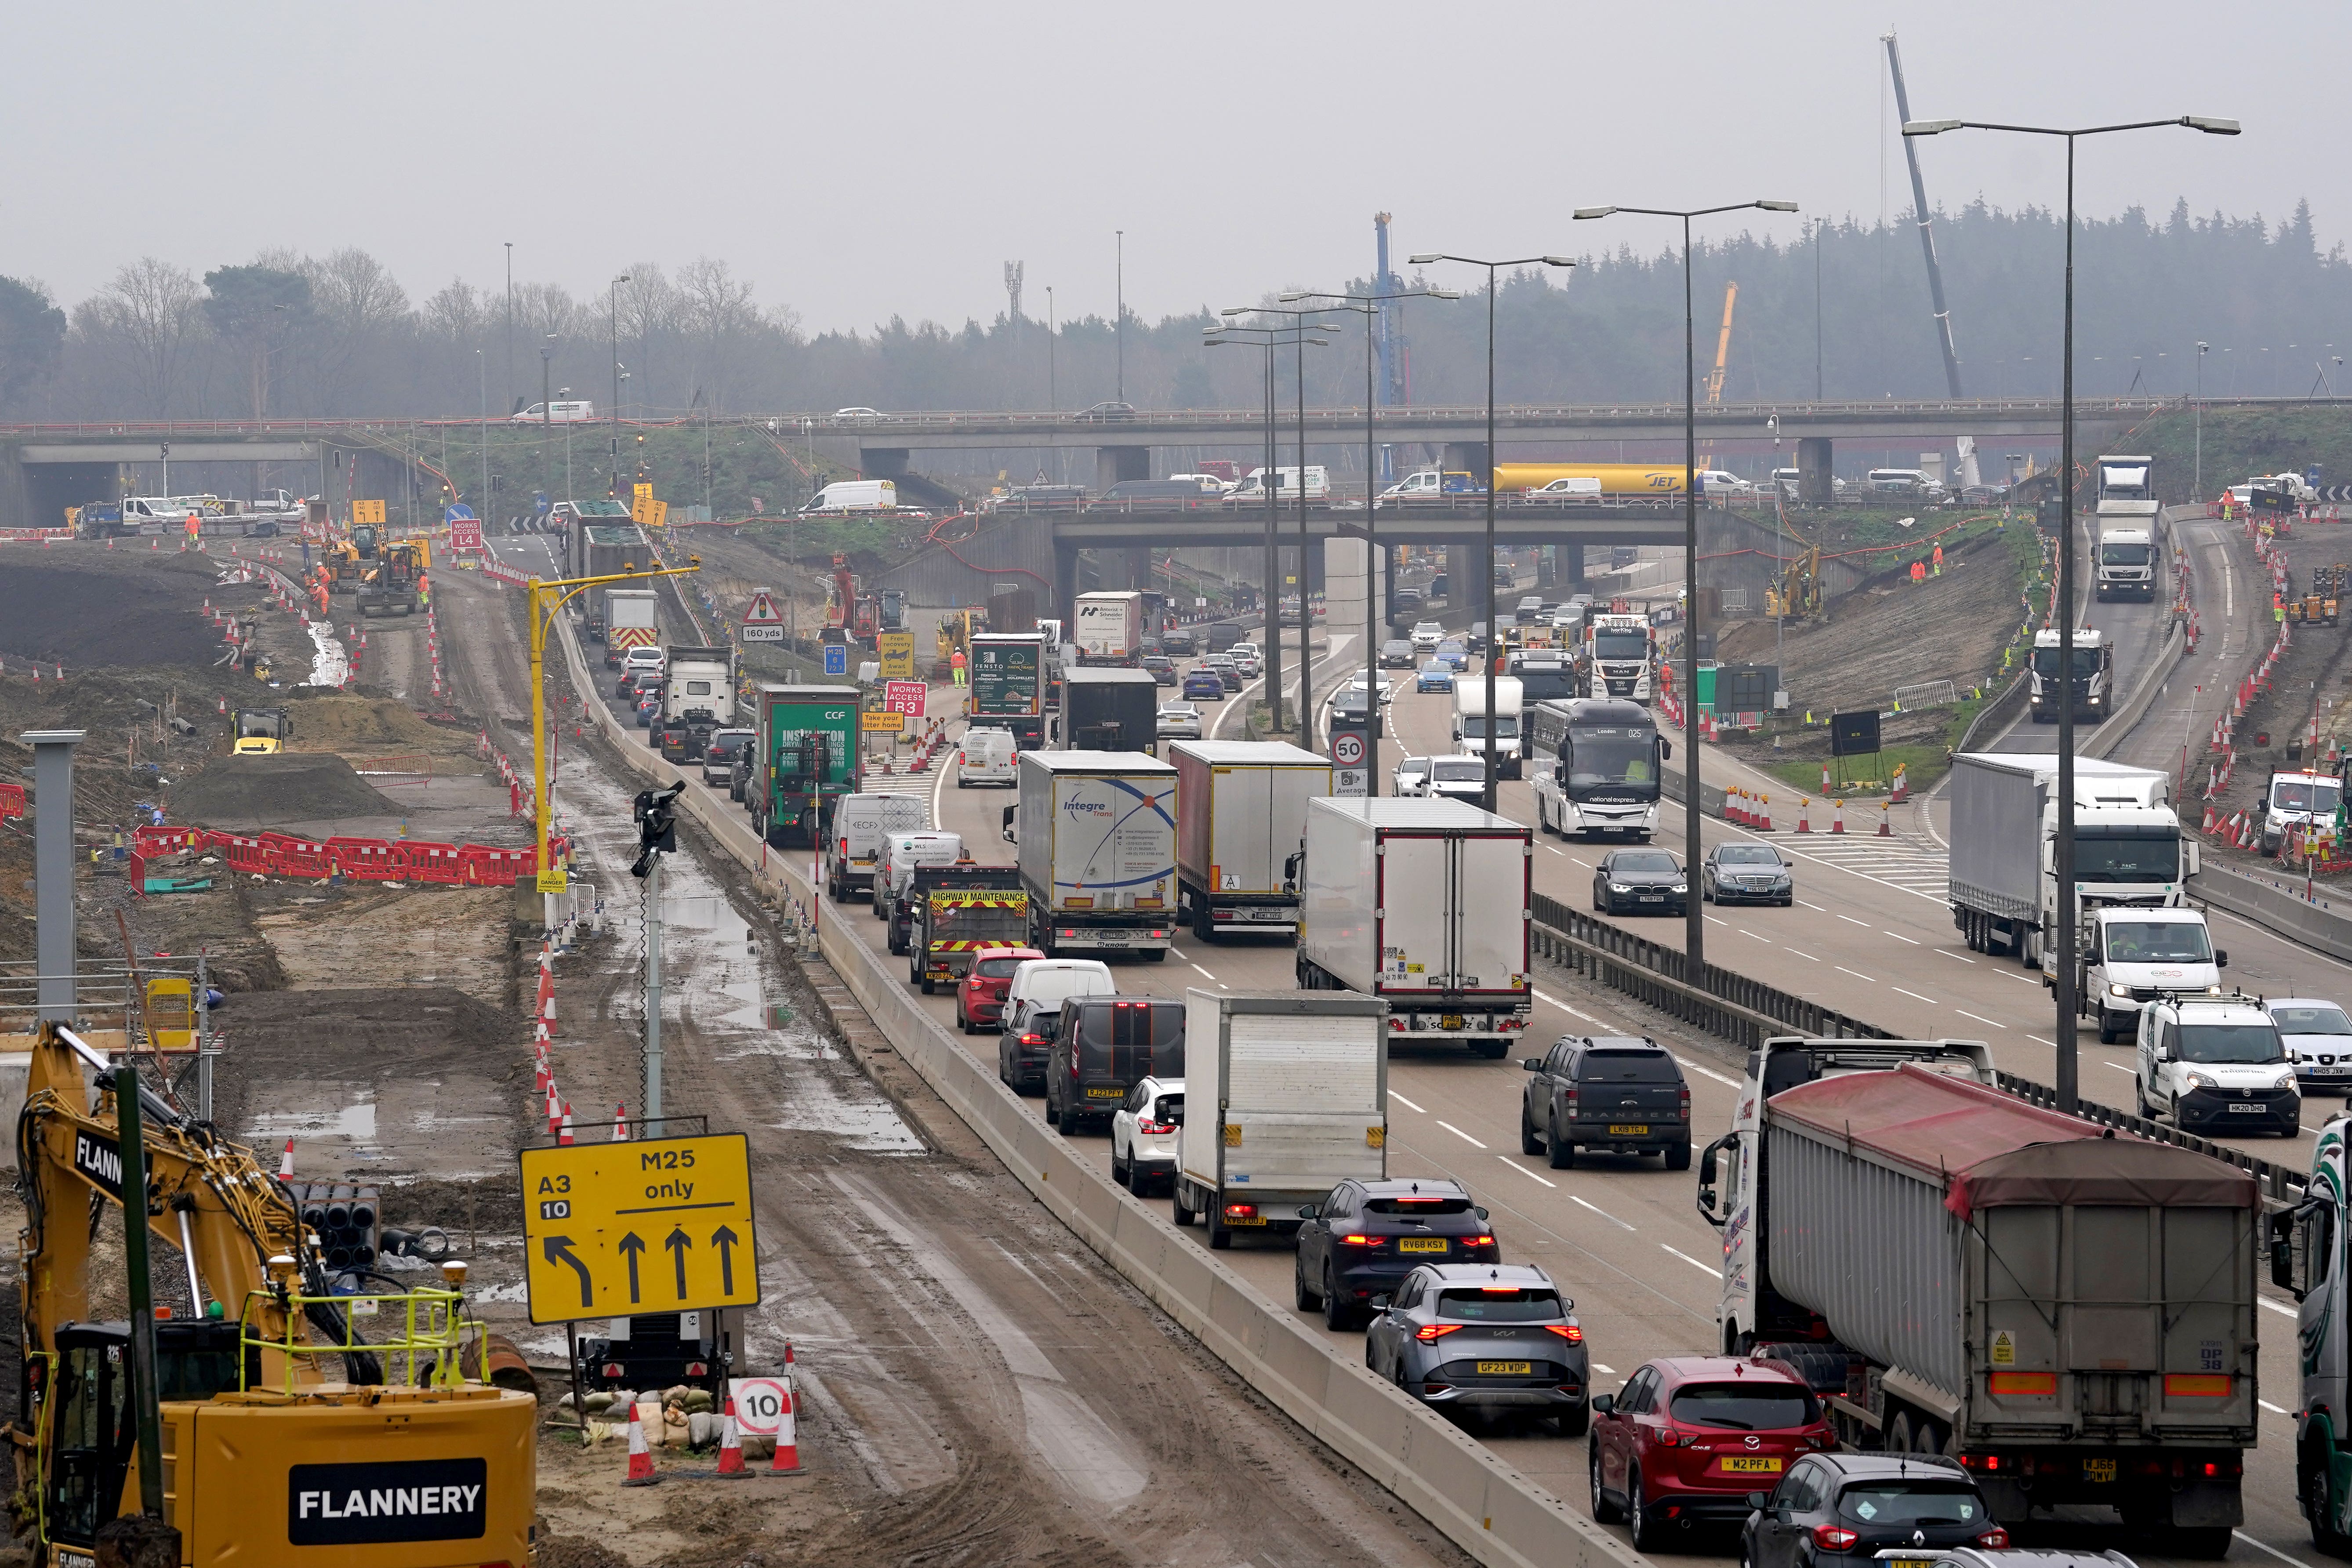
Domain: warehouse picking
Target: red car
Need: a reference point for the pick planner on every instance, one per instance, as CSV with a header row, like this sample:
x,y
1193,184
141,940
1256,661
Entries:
x,y
1690,1437
980,996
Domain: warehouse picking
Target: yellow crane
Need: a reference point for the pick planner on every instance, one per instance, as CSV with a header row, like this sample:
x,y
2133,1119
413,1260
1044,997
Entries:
x,y
1722,357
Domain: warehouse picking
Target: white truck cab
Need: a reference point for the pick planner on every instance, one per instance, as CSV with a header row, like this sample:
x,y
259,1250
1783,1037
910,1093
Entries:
x,y
1471,718
2216,1061
2293,801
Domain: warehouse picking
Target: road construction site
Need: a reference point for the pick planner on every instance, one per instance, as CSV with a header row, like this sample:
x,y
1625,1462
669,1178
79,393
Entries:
x,y
979,1381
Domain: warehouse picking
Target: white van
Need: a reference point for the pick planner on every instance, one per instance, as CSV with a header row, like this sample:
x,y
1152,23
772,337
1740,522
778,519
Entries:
x,y
1903,482
901,854
861,822
986,756
557,413
855,495
1286,484
1719,482
1042,984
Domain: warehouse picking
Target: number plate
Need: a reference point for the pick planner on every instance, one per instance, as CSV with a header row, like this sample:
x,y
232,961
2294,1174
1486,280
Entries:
x,y
1450,1021
1907,1561
2248,1109
1422,1244
1106,1094
1654,898
1750,1465
2098,1469
1254,1220
1505,1368
1629,1128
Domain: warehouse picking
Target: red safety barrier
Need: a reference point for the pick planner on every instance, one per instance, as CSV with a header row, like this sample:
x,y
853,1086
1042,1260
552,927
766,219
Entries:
x,y
12,801
157,840
429,862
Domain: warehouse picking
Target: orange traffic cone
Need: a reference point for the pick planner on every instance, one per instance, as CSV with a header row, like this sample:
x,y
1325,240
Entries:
x,y
286,1162
1804,814
730,1447
641,1458
787,1461
547,1001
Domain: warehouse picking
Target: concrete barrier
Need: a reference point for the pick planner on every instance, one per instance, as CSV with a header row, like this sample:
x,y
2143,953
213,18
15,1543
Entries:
x,y
1483,1505
2277,905
2125,719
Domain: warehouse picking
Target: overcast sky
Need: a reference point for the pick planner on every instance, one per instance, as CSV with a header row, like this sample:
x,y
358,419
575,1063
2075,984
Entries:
x,y
861,160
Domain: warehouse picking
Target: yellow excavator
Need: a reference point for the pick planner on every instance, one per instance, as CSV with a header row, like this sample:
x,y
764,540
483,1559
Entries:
x,y
394,580
288,1436
263,731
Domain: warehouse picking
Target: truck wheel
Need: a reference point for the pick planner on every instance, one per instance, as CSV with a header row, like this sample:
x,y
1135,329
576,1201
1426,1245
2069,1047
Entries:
x,y
1221,1239
1678,1158
2106,1026
1068,1122
1052,1108
1157,955
930,986
1204,926
1177,1212
2208,1543
2317,1492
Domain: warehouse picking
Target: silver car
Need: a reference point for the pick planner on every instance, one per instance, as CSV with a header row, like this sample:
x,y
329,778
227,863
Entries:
x,y
1412,776
1489,1337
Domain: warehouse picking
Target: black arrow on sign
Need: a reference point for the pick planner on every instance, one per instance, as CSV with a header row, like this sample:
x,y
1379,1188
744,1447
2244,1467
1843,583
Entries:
x,y
724,1240
634,1246
677,1241
559,1250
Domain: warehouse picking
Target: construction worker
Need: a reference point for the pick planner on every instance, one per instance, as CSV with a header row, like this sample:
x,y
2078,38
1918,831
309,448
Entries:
x,y
1939,561
1918,572
955,663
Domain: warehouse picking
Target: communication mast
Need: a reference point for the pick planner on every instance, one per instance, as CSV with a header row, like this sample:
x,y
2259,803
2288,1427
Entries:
x,y
1012,270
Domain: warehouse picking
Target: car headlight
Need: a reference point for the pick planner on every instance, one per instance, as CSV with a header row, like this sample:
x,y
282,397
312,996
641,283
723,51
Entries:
x,y
2199,1080
1681,888
1619,888
2287,1080
2118,990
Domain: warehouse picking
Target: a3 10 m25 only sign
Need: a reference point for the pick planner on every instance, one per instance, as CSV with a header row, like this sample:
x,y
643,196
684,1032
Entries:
x,y
610,1229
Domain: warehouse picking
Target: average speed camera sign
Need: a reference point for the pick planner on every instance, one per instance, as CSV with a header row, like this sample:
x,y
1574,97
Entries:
x,y
1348,748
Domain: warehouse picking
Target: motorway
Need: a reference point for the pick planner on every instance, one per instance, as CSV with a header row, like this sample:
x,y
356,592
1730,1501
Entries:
x,y
1871,935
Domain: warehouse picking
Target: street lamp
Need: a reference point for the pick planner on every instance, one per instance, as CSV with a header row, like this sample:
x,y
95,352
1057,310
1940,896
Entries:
x,y
1694,919
2068,997
482,367
1306,613
1494,626
1369,307
1229,336
2197,473
613,320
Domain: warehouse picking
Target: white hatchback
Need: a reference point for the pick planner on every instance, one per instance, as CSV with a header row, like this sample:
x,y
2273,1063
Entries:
x,y
2318,1037
1144,1134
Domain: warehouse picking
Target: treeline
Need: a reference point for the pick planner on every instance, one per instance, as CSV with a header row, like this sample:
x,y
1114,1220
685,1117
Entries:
x,y
1839,306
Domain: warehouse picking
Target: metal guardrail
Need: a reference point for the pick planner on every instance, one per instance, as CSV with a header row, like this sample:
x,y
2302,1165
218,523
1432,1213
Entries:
x,y
1747,1011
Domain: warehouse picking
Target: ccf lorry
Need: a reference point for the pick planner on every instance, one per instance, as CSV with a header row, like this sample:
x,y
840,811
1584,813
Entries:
x,y
2067,1313
1286,1096
805,760
1097,832
1241,828
1424,904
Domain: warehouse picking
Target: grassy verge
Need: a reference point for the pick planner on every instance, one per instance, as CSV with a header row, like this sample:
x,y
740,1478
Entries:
x,y
1924,762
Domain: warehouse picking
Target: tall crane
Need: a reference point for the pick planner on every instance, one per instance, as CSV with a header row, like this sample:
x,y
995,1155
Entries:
x,y
1722,358
1928,244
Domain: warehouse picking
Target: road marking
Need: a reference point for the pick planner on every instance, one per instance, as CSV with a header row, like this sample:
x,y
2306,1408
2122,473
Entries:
x,y
1722,922
1851,921
1800,953
1956,955
1459,1133
1604,1371
2273,1551
2282,1309
1753,937
1815,908
1858,974
1707,1072
2120,1067
1694,1262
2039,1040
1523,1171
1915,996
1573,1013
1401,1100
1604,1213
2273,1408
2021,979
1561,853
1980,1018
1202,971
1896,935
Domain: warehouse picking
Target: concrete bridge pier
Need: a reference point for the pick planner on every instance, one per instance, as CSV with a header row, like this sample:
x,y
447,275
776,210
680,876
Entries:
x,y
1468,458
1066,585
1813,471
1113,464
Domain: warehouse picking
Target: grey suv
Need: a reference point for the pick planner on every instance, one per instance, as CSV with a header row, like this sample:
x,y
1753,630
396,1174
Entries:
x,y
1611,1092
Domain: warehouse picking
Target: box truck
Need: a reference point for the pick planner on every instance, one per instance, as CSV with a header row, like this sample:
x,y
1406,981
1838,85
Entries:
x,y
1096,833
2129,847
1241,830
698,696
1471,719
1110,710
2066,1312
632,619
1424,904
1286,1096
1108,629
1008,685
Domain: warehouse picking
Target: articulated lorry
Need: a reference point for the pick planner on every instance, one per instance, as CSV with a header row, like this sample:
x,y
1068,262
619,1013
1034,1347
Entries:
x,y
1424,904
2128,518
2311,1257
1286,1096
1240,829
1096,833
805,760
600,549
698,696
1615,656
2129,853
1110,710
2067,1313
1008,685
1108,628
2093,686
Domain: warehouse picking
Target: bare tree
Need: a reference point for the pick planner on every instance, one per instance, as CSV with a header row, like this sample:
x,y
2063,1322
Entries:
x,y
361,312
720,322
146,320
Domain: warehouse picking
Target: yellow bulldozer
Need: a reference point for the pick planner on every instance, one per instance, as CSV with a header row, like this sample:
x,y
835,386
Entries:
x,y
285,1434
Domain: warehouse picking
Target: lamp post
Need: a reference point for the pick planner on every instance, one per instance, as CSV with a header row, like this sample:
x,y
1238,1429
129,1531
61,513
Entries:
x,y
510,391
1369,307
612,321
1266,338
482,366
2068,997
2197,471
546,407
1694,919
1487,653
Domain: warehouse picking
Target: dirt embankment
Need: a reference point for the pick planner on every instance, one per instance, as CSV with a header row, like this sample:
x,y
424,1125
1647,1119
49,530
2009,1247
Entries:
x,y
292,786
96,607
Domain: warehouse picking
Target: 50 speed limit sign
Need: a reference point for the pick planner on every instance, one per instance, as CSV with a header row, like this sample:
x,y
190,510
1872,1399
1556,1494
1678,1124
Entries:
x,y
1348,749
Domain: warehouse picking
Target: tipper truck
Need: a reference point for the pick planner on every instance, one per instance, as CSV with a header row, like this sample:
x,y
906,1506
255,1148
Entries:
x,y
1424,904
2311,1255
2129,847
1097,832
1110,711
2128,516
2067,1313
1008,685
1286,1096
1240,829
2092,688
805,760
602,548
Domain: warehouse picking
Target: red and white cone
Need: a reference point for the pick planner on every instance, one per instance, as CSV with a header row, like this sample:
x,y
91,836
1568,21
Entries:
x,y
546,1001
1804,814
286,1162
555,1108
1837,821
1764,814
1884,829
621,1135
787,1461
641,1458
730,1447
563,1131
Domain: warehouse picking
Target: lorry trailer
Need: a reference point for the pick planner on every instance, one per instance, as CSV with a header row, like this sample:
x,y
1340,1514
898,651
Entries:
x,y
1108,628
1008,685
1110,710
806,759
1241,830
1097,834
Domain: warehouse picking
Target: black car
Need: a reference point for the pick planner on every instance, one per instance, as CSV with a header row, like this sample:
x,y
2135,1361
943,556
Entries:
x,y
1104,1047
1613,1093
1494,1337
1845,1508
1176,642
1739,871
1024,1044
1648,881
1356,1247
1162,668
1397,654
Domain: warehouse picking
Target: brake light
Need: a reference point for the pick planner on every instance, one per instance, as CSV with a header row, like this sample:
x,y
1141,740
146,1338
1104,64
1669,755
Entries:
x,y
1683,1110
1569,1098
1155,1128
1995,1539
1358,1241
1668,1438
1428,1332
1571,1332
1032,1040
1477,1241
1241,1211
1835,1538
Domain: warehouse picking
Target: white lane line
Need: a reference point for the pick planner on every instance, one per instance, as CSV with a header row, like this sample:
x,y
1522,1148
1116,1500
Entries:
x,y
2273,1408
1857,973
1604,1371
2021,979
1573,1013
1704,1072
1956,955
1980,1018
1694,1262
1463,1136
2039,1041
1815,908
1401,1100
2261,1546
2120,1067
1604,1213
1897,936
1753,937
1723,922
1800,953
1523,1171
2281,1307
1916,998
1203,971
1559,851
1851,921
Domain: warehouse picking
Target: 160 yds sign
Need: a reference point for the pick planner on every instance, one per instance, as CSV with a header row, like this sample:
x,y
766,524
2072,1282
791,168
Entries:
x,y
614,1228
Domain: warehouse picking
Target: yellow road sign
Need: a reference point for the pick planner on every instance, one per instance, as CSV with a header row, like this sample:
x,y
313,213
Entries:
x,y
367,512
614,1228
171,1014
884,723
555,880
897,650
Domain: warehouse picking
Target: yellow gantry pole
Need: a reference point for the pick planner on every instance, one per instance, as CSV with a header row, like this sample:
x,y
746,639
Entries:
x,y
544,603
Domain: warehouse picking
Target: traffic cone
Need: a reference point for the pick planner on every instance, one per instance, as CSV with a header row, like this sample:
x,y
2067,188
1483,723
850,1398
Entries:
x,y
641,1458
1804,814
1837,821
563,1132
621,1135
547,1003
730,1447
286,1162
1902,786
787,1461
1886,830
1764,814
555,1108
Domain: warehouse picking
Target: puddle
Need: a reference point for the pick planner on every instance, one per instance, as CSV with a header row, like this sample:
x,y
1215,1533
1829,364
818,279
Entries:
x,y
327,665
355,1123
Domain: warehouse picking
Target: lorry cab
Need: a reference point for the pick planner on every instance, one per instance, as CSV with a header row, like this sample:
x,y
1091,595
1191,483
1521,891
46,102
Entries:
x,y
2293,802
2311,1257
2133,955
2093,676
2127,550
1471,721
1727,1168
2214,1060
1426,484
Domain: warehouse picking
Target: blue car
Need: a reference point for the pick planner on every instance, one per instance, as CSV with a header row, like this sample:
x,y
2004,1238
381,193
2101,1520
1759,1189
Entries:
x,y
1434,677
1202,686
1453,655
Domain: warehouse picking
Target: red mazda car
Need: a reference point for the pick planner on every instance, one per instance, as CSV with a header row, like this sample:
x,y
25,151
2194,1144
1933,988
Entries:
x,y
1688,1438
980,996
